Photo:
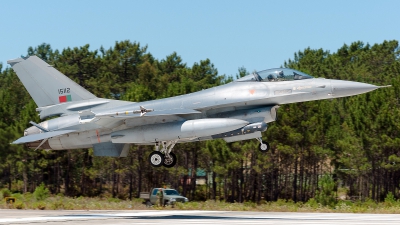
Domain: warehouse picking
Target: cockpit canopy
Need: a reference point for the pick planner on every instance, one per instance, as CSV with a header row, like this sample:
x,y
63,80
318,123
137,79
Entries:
x,y
274,75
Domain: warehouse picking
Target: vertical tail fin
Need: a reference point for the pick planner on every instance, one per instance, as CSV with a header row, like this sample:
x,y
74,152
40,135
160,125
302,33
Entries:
x,y
46,85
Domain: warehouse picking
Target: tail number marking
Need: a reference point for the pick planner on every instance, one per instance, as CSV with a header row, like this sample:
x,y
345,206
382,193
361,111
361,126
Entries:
x,y
63,91
64,95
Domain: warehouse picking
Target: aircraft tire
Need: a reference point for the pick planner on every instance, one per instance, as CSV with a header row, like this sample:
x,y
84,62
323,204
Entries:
x,y
264,147
170,162
156,159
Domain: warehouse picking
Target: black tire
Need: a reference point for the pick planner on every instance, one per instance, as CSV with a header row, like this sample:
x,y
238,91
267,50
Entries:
x,y
156,159
148,204
170,162
264,147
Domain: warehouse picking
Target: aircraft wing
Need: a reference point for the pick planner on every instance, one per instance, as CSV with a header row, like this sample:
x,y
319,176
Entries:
x,y
41,136
134,118
129,114
172,112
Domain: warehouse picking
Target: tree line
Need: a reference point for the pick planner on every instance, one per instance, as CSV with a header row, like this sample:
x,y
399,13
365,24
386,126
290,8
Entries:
x,y
317,148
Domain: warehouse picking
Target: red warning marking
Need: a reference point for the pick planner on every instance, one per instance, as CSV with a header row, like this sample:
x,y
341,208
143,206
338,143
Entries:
x,y
98,137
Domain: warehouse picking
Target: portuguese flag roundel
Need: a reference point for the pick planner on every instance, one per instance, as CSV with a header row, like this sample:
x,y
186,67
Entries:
x,y
65,98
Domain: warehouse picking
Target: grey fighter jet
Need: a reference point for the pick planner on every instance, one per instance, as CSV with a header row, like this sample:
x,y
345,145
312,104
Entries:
x,y
236,111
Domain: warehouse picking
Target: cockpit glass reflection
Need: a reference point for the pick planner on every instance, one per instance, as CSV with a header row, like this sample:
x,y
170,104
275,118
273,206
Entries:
x,y
275,75
281,74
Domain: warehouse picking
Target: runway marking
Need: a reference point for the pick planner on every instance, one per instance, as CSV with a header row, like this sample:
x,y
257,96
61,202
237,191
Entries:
x,y
191,217
98,216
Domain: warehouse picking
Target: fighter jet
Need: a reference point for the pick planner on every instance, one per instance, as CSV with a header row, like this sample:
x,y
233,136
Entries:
x,y
240,110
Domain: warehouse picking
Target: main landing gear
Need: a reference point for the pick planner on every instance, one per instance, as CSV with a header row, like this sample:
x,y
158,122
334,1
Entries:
x,y
263,147
163,157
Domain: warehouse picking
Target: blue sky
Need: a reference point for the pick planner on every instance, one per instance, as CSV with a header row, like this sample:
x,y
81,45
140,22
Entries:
x,y
254,34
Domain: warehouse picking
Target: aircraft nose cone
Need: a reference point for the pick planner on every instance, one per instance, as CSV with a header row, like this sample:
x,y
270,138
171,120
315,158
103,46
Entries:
x,y
342,88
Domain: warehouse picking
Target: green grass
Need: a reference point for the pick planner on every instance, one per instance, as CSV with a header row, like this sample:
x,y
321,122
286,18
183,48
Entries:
x,y
27,201
59,202
289,206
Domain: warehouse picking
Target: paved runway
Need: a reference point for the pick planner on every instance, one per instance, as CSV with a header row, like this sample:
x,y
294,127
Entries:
x,y
106,217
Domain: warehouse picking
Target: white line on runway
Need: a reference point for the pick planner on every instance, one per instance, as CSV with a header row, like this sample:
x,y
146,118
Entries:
x,y
194,217
98,216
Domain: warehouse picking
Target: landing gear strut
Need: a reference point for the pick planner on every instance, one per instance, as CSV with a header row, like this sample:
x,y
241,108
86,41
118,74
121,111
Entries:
x,y
164,156
263,147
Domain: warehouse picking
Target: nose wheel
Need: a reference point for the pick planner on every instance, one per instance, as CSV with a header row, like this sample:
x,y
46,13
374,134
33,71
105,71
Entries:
x,y
263,146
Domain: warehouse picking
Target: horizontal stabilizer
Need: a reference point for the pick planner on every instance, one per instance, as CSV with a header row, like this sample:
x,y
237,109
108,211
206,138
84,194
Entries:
x,y
41,136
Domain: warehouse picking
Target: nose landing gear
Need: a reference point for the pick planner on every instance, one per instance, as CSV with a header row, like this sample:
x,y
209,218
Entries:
x,y
263,147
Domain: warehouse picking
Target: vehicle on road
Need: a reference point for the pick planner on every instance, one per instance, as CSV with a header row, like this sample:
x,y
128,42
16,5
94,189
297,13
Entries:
x,y
170,197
